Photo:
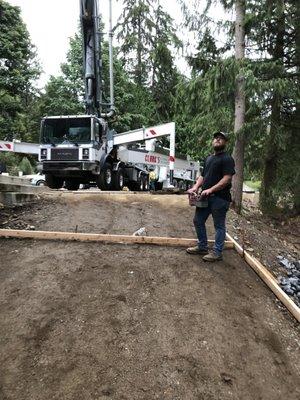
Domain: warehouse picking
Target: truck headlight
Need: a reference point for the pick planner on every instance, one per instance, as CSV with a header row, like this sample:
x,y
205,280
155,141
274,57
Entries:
x,y
43,153
85,153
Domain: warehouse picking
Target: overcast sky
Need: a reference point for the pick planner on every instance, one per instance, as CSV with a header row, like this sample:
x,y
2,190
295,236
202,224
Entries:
x,y
52,22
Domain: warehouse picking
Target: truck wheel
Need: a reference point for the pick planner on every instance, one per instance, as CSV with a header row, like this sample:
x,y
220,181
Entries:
x,y
182,185
71,184
140,183
136,186
118,179
54,182
158,185
175,183
104,181
145,183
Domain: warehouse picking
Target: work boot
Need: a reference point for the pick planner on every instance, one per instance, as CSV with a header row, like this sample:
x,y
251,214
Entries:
x,y
213,257
196,250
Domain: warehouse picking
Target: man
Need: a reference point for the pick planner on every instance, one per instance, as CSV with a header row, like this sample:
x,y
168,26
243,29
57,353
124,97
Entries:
x,y
215,183
152,179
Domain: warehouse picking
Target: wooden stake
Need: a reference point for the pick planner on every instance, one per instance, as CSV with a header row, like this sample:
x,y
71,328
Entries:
x,y
97,237
268,278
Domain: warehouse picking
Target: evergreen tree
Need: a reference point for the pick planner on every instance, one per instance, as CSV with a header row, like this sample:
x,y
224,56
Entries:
x,y
64,93
18,71
148,38
271,74
164,72
135,29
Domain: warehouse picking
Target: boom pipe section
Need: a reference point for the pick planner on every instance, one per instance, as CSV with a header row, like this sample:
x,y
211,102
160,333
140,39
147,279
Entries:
x,y
91,55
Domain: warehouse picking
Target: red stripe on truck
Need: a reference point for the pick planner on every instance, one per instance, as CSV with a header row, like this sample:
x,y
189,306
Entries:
x,y
7,145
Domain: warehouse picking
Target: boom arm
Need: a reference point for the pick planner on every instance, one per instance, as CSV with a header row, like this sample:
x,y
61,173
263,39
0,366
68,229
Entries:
x,y
91,55
92,60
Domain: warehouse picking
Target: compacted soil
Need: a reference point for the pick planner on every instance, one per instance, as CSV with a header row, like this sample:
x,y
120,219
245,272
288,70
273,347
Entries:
x,y
136,322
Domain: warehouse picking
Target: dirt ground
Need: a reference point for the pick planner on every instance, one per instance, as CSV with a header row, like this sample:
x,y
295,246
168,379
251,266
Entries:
x,y
95,321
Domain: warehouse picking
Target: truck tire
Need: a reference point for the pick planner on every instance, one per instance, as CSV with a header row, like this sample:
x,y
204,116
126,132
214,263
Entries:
x,y
145,183
136,186
71,184
182,185
140,183
54,182
175,183
158,185
118,179
104,180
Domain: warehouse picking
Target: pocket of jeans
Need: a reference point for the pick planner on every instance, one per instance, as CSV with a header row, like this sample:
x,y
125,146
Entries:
x,y
218,203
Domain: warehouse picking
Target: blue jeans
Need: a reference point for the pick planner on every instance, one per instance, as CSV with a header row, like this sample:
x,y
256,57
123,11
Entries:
x,y
218,208
152,185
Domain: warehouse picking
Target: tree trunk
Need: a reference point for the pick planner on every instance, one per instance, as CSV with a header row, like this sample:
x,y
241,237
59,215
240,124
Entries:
x,y
296,191
139,52
239,118
268,199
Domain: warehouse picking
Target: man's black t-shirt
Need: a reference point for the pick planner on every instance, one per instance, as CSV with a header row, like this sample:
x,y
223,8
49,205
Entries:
x,y
215,167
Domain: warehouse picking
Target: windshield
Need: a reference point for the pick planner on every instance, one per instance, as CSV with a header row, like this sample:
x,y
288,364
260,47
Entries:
x,y
66,130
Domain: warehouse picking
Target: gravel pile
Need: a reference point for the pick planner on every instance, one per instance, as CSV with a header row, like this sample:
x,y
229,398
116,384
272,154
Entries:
x,y
290,283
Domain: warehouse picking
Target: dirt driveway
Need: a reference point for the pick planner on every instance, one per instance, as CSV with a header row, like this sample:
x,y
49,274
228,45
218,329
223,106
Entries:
x,y
94,321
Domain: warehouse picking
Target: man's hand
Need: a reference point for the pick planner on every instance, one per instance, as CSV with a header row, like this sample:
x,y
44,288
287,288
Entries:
x,y
206,192
192,190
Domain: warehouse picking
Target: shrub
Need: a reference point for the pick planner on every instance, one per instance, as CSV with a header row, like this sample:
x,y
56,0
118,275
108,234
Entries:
x,y
25,166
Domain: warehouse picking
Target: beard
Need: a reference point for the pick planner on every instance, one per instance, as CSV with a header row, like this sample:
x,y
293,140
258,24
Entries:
x,y
219,147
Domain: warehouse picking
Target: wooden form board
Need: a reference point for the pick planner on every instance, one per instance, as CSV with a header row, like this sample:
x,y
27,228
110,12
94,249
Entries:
x,y
268,278
97,237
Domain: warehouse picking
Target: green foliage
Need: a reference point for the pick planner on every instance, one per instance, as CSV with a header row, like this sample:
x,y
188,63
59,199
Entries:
x,y
59,98
164,73
25,166
135,32
204,104
148,39
253,184
18,70
16,162
206,101
11,160
64,93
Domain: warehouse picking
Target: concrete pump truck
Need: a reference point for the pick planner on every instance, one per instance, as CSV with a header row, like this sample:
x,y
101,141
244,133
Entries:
x,y
79,149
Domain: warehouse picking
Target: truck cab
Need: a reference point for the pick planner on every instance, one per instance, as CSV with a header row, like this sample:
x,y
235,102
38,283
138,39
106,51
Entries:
x,y
73,149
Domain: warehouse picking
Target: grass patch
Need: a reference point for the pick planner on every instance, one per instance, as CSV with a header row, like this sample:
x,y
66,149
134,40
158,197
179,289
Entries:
x,y
253,184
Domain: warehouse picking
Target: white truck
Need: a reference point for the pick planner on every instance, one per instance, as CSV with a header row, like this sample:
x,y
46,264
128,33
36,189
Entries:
x,y
136,152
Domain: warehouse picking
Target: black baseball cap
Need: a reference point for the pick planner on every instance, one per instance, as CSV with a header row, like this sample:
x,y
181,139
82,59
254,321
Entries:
x,y
224,134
